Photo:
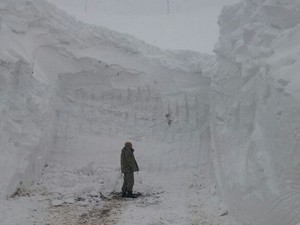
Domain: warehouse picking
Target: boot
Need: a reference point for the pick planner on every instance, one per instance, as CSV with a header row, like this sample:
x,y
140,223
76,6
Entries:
x,y
124,195
130,195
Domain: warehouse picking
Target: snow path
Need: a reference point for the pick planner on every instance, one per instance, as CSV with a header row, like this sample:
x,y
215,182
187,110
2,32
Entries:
x,y
184,198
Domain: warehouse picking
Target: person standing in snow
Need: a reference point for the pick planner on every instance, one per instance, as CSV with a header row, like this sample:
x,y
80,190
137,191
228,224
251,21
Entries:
x,y
128,167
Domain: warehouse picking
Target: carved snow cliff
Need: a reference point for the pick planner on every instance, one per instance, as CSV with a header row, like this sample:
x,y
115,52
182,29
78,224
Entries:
x,y
255,125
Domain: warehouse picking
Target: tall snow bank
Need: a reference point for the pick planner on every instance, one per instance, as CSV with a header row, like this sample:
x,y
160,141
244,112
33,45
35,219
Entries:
x,y
255,126
25,124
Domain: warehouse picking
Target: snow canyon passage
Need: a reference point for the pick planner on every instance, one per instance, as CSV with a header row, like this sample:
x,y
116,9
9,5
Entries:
x,y
216,136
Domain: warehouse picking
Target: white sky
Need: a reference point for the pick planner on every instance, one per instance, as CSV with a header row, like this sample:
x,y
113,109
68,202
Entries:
x,y
190,24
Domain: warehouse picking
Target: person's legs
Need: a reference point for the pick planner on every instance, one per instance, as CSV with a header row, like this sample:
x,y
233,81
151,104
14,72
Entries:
x,y
128,184
130,181
124,187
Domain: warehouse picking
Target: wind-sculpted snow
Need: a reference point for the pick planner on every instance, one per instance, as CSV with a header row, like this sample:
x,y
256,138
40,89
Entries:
x,y
63,82
255,124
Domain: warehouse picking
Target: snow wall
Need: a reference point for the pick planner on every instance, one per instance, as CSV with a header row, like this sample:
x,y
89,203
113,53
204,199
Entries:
x,y
25,91
50,110
255,125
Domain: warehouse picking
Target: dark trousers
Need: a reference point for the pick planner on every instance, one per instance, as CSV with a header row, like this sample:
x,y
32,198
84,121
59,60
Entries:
x,y
128,182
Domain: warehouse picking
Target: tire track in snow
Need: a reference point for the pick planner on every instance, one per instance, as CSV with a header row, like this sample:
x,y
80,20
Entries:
x,y
94,214
107,215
